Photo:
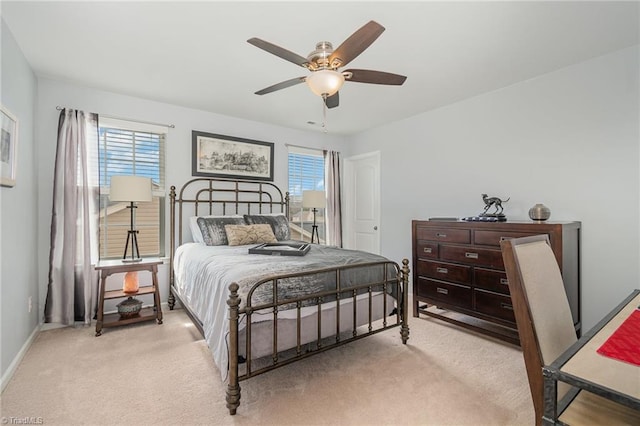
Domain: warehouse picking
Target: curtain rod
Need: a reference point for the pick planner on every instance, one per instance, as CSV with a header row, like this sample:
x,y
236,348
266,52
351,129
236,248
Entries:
x,y
305,147
59,108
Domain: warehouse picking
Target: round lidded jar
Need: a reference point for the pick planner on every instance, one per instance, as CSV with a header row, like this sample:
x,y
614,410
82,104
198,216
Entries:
x,y
539,212
129,308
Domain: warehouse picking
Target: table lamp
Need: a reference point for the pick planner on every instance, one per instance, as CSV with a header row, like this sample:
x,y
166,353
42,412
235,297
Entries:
x,y
130,189
313,200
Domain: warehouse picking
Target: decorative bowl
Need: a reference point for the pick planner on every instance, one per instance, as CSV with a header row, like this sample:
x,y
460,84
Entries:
x,y
129,308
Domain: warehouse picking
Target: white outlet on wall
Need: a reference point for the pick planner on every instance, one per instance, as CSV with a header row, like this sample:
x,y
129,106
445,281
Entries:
x,y
30,304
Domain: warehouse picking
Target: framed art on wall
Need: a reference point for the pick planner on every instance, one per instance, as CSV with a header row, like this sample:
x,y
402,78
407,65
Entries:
x,y
227,156
8,147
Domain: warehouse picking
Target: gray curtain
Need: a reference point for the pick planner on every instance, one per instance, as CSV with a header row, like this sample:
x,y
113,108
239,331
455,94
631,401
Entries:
x,y
72,287
333,218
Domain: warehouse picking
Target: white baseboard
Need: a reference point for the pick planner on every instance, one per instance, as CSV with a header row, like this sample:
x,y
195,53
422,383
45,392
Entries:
x,y
6,377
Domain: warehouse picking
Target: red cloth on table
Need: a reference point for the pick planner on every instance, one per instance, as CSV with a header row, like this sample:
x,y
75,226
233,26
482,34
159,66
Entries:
x,y
624,343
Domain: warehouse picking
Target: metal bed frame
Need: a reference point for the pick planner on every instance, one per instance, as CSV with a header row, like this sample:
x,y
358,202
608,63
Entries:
x,y
226,196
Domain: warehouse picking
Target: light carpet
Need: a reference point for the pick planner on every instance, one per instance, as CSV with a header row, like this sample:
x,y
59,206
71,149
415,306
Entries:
x,y
164,374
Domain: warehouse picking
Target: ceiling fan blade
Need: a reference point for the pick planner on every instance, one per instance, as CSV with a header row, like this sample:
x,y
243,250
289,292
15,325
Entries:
x,y
355,44
279,51
332,101
281,85
374,77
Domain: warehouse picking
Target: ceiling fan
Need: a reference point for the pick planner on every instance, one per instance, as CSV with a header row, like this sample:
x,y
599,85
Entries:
x,y
325,80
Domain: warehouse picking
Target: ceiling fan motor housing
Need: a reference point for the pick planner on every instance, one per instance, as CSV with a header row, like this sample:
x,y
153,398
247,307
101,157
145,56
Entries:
x,y
319,58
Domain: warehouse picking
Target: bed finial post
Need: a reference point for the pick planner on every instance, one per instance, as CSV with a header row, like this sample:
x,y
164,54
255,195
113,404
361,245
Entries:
x,y
404,328
233,388
171,301
286,204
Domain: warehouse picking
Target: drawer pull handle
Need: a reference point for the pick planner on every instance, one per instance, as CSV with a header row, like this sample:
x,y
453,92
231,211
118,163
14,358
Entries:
x,y
427,249
442,290
471,255
441,235
442,270
504,281
506,306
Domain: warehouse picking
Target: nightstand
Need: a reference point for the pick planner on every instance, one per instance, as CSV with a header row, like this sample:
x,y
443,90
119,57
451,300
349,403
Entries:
x,y
110,267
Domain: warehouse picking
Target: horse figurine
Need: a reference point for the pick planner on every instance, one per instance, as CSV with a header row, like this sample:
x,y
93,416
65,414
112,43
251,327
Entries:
x,y
495,202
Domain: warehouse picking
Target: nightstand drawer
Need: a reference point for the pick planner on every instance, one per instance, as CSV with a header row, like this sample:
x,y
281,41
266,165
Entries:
x,y
496,305
455,294
472,256
444,271
462,236
491,280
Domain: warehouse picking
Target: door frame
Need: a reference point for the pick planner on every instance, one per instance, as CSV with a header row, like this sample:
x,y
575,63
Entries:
x,y
348,222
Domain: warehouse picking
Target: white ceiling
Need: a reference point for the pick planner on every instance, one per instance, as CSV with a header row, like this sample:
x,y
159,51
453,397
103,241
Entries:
x,y
195,54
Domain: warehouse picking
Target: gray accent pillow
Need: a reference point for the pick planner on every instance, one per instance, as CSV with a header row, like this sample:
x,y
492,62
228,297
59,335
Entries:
x,y
212,229
279,223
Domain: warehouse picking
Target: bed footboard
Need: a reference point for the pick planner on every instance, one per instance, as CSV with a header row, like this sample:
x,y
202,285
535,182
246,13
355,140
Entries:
x,y
397,285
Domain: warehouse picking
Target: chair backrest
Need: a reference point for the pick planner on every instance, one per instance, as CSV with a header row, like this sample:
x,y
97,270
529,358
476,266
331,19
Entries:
x,y
541,308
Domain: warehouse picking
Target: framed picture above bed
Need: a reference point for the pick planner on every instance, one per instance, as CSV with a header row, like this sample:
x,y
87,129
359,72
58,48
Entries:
x,y
215,155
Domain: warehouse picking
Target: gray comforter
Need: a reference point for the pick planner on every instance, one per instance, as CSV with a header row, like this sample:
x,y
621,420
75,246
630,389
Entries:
x,y
204,273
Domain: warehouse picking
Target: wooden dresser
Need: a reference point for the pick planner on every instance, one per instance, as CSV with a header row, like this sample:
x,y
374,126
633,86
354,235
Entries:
x,y
458,273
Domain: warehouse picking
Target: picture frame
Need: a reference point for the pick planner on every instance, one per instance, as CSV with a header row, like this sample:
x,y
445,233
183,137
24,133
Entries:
x,y
224,156
8,147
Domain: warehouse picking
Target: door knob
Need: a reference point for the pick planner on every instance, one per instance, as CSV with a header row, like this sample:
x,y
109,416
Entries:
x,y
375,228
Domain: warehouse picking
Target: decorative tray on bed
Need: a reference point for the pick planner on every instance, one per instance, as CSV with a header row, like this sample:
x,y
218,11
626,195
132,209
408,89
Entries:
x,y
281,249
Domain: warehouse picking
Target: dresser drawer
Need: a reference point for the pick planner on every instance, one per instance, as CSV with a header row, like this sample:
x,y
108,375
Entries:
x,y
491,280
453,294
472,255
444,271
449,235
427,249
495,305
493,238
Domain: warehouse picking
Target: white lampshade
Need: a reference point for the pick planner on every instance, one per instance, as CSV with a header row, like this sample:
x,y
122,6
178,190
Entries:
x,y
130,188
325,82
313,199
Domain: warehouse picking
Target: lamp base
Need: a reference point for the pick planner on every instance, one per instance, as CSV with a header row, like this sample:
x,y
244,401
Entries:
x,y
314,233
133,239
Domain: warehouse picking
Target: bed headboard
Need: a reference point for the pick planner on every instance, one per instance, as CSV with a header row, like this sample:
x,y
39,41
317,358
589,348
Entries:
x,y
219,196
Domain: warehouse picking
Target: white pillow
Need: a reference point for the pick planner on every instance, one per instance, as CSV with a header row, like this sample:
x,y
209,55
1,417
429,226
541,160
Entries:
x,y
196,234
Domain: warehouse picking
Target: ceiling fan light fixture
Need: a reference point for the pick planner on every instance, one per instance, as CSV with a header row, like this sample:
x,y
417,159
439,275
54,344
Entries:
x,y
325,82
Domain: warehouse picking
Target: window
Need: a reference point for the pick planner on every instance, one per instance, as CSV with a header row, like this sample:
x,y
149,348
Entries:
x,y
306,172
128,148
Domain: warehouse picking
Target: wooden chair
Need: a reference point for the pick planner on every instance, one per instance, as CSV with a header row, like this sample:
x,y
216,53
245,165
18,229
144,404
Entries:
x,y
546,330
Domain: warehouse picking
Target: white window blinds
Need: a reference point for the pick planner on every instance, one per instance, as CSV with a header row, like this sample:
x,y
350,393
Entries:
x,y
129,148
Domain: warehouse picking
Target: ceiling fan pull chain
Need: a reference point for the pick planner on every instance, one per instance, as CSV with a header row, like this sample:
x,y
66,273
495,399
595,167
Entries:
x,y
324,113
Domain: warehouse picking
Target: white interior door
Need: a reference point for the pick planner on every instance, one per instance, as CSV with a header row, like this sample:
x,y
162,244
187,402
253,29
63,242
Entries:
x,y
362,202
